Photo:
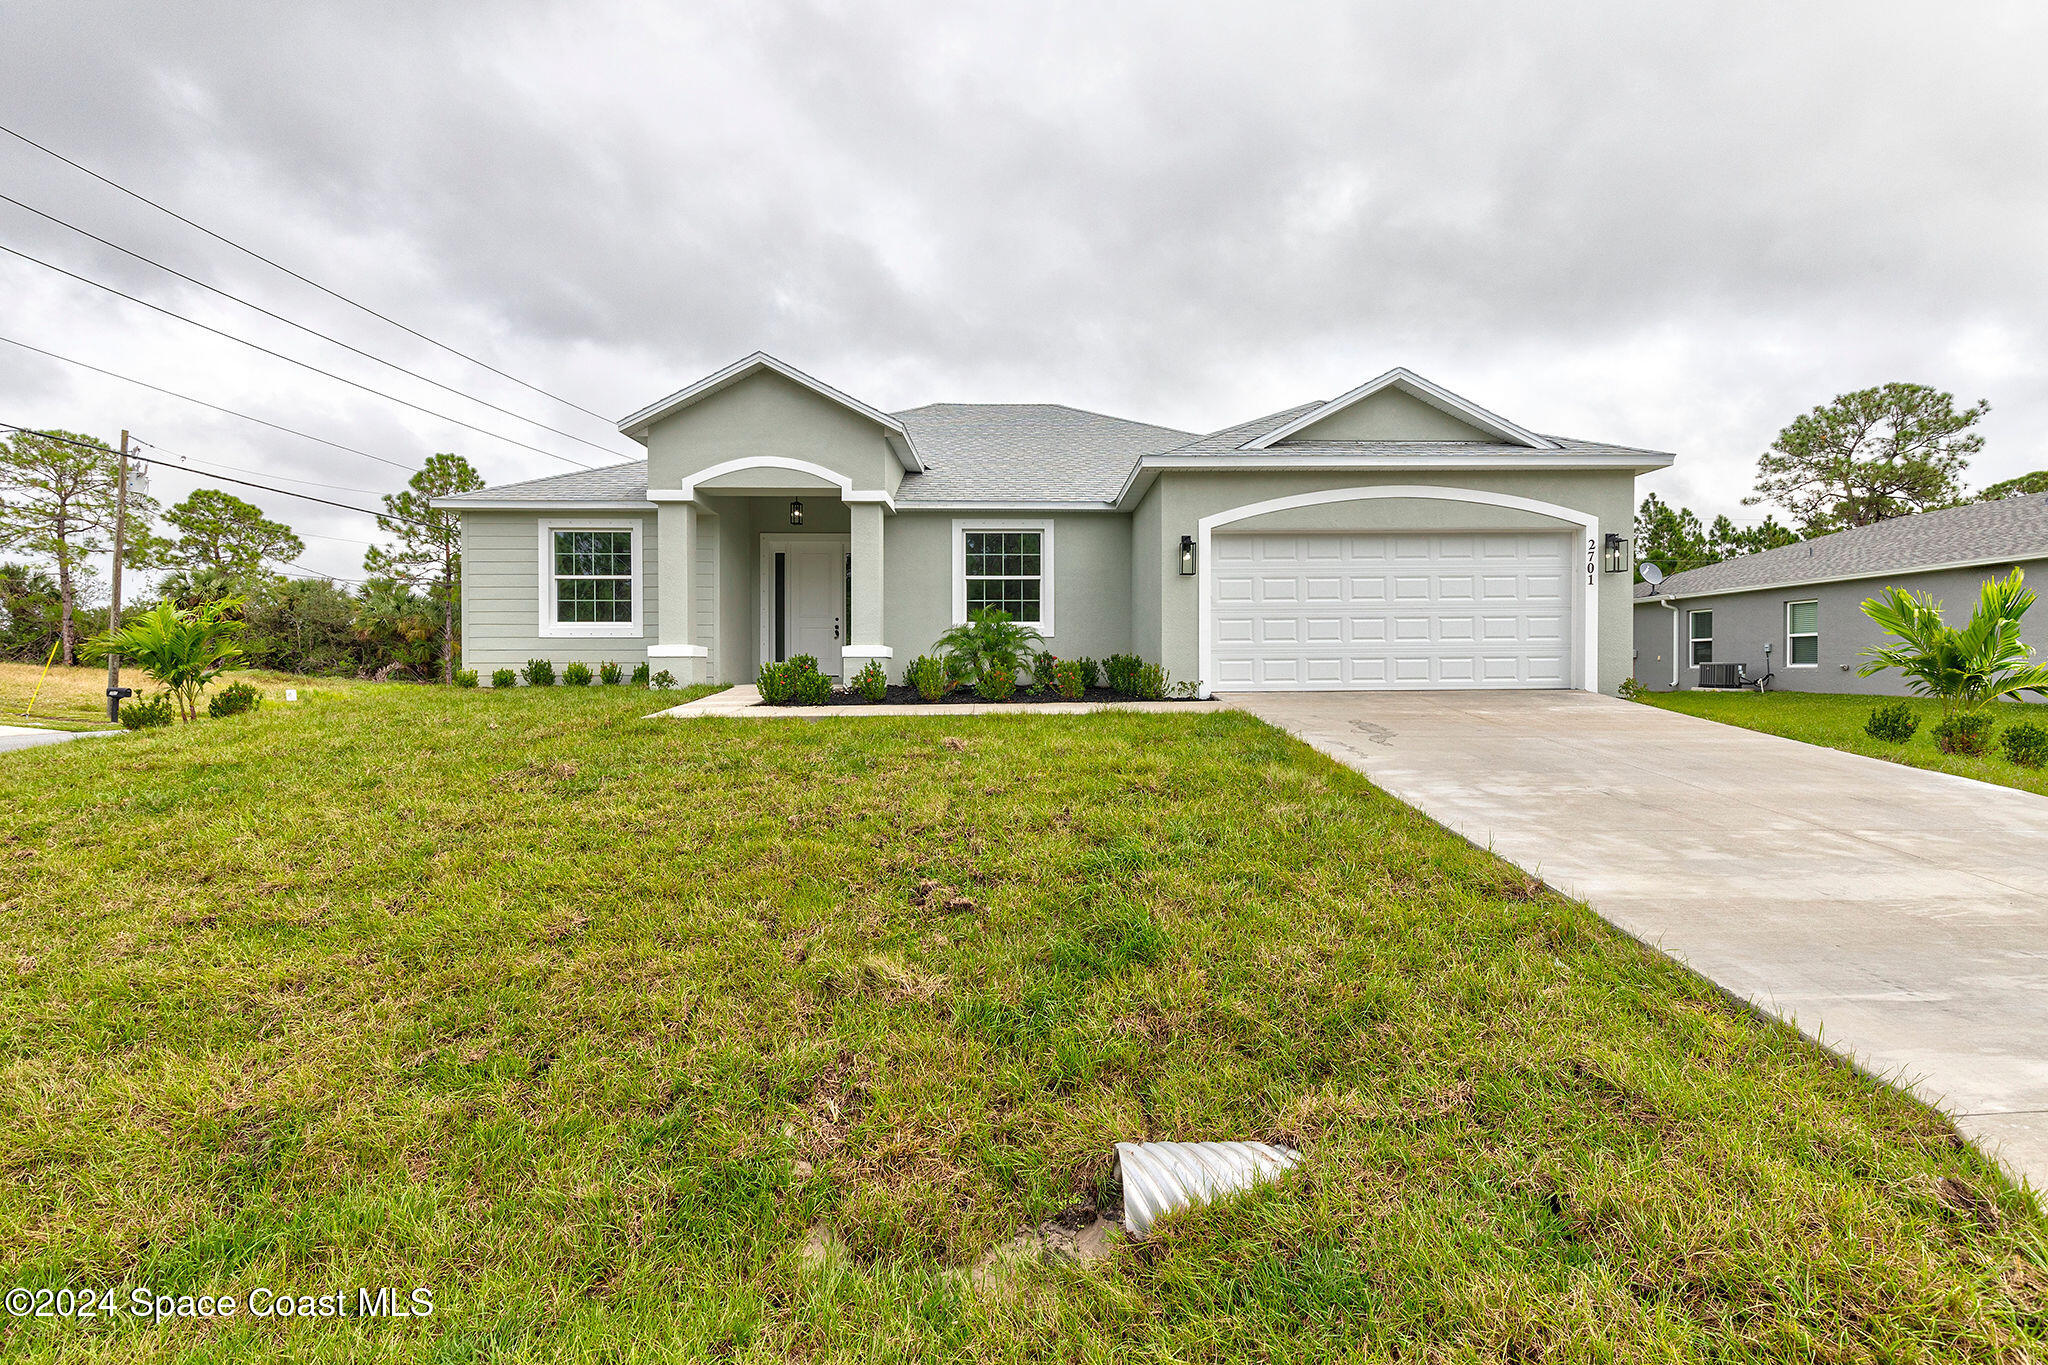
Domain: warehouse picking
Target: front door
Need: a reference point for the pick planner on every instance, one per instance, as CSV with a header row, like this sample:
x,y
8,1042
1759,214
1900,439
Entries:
x,y
807,599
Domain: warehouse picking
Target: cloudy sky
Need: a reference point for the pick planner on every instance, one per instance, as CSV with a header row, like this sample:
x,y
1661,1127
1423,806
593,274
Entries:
x,y
1668,226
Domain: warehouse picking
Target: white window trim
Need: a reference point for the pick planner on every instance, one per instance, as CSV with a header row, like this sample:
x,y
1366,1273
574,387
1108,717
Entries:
x,y
1814,633
550,628
1692,639
1042,525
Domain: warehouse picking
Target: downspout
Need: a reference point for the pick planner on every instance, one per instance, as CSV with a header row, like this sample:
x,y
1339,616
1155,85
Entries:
x,y
1671,605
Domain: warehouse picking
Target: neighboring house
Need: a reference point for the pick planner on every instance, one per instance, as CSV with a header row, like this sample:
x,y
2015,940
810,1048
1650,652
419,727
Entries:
x,y
1398,536
1805,601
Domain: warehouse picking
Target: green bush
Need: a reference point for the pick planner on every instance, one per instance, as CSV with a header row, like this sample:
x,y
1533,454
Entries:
x,y
1122,672
662,681
1151,682
610,674
930,676
577,675
465,677
504,677
1967,733
1630,689
812,688
538,673
639,678
1894,723
871,682
776,682
995,684
1091,672
804,663
1070,678
146,714
2025,744
233,700
990,639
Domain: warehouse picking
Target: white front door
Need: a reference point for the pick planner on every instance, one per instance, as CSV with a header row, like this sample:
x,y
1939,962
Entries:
x,y
803,598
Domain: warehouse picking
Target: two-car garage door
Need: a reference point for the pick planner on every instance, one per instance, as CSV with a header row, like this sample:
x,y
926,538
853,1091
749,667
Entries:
x,y
1425,610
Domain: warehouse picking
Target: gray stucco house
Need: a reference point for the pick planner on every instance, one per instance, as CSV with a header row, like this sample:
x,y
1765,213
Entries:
x,y
1804,602
1396,536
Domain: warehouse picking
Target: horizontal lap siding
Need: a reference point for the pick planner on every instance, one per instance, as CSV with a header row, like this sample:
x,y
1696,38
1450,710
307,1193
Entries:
x,y
501,589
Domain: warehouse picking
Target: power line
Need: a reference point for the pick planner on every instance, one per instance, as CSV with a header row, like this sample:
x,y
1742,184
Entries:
x,y
310,331
173,393
292,360
246,251
207,465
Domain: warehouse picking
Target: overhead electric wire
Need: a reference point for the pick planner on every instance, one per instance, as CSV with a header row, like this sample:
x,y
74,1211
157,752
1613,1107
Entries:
x,y
206,464
309,331
331,293
173,393
292,360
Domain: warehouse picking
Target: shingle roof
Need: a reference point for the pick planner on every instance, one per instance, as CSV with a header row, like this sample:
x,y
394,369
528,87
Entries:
x,y
1232,440
1025,452
609,483
2010,528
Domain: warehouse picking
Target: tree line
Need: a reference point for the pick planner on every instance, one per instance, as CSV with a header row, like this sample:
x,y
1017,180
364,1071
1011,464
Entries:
x,y
58,496
1865,457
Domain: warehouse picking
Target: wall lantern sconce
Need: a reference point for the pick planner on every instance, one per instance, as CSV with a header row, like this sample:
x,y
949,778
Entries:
x,y
1617,554
796,513
1187,556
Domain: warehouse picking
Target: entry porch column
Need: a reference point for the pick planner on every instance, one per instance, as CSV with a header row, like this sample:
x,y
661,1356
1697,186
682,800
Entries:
x,y
864,627
675,647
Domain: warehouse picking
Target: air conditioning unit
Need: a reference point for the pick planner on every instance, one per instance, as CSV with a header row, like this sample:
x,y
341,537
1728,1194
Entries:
x,y
1720,675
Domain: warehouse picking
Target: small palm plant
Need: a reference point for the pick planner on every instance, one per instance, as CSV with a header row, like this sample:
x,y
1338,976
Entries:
x,y
990,640
182,650
1964,668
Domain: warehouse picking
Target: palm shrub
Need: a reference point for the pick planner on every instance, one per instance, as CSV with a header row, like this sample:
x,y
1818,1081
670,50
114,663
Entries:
x,y
538,673
871,682
1894,723
990,639
1121,671
639,678
466,677
504,677
1070,679
930,676
233,700
147,714
576,675
182,650
610,674
1964,668
995,683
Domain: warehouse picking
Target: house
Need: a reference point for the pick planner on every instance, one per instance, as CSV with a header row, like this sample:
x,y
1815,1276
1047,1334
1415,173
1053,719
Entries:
x,y
1396,536
1797,611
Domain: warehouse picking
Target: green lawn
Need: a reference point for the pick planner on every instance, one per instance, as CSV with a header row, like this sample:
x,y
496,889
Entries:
x,y
1836,720
589,1025
76,698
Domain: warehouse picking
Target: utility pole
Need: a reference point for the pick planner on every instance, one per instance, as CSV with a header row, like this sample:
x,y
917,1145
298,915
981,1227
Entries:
x,y
114,689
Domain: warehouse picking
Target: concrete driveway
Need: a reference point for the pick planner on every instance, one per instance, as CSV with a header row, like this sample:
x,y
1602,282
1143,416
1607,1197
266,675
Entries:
x,y
1899,916
24,737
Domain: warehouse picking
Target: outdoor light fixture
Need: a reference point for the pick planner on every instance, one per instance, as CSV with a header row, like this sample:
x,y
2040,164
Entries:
x,y
796,513
1187,556
1617,554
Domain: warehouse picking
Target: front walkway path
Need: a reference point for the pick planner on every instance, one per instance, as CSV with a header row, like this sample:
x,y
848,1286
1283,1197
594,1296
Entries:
x,y
745,700
1899,915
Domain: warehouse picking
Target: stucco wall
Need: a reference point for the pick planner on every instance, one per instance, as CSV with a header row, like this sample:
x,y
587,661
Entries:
x,y
1744,622
1389,415
765,415
502,594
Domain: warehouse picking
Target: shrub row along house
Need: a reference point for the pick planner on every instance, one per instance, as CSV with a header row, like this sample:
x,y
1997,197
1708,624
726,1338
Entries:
x,y
1797,611
1396,536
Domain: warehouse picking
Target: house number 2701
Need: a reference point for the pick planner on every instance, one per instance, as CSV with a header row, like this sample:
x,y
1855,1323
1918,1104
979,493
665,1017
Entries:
x,y
1592,561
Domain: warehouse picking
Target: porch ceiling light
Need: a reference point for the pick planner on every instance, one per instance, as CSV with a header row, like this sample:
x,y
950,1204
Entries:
x,y
796,512
1187,556
1617,554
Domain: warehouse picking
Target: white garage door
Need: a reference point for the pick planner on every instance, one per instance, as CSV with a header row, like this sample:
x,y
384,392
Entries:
x,y
1398,611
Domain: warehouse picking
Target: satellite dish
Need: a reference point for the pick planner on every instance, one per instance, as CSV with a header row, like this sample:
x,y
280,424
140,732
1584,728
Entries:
x,y
1652,574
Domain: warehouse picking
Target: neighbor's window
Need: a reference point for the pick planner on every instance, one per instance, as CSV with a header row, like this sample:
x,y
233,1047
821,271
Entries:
x,y
593,577
1005,572
1802,634
1702,637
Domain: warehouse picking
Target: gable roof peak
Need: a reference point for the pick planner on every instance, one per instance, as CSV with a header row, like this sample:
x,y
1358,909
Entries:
x,y
636,425
1415,386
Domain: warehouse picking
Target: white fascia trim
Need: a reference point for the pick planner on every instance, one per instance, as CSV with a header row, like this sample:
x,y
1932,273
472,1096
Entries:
x,y
553,506
1290,461
551,629
1414,384
1788,584
1042,525
1587,666
635,425
687,491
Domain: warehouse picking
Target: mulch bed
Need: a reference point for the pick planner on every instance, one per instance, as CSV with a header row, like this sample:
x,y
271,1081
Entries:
x,y
900,695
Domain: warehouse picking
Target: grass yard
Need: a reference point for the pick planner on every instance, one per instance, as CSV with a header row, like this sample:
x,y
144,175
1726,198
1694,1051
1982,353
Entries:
x,y
1836,721
76,698
592,1026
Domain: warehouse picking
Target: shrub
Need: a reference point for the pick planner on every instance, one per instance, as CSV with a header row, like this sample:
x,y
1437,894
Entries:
x,y
465,677
504,677
538,673
929,676
1070,678
995,684
610,674
1122,672
776,682
1630,690
576,675
148,714
233,700
871,682
1893,723
1091,672
804,663
1967,733
182,651
662,681
813,688
990,639
1151,683
2025,744
1964,668
639,678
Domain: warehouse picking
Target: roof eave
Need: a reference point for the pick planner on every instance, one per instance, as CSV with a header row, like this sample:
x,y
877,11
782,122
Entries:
x,y
1414,384
636,425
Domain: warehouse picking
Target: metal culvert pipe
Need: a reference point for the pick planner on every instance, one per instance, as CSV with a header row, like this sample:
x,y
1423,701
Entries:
x,y
1159,1177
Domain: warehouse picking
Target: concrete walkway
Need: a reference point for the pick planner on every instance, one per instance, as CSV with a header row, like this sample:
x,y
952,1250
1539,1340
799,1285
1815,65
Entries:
x,y
23,737
745,700
1900,916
